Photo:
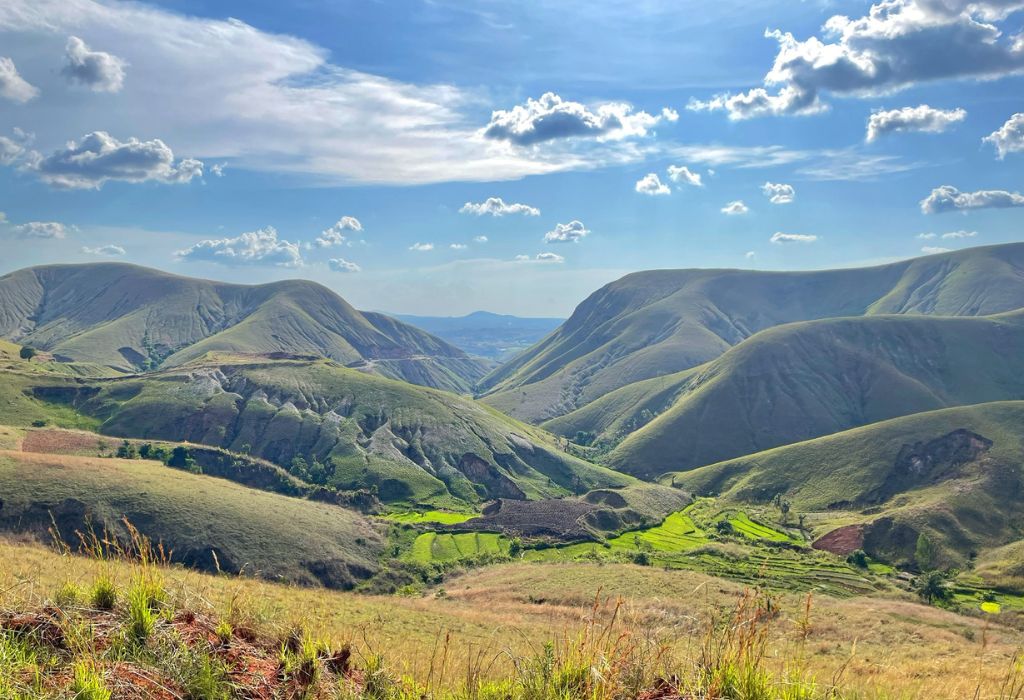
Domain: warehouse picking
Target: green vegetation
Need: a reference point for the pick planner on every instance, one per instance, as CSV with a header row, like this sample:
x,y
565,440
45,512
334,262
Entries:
x,y
441,517
657,323
448,547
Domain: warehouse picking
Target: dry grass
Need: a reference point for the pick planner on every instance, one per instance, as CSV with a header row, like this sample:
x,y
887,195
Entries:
x,y
484,620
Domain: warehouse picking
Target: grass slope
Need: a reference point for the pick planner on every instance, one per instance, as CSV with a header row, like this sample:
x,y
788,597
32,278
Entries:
x,y
656,323
953,474
133,318
264,534
804,380
415,446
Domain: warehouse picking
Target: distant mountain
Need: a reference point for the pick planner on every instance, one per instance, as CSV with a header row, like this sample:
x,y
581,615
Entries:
x,y
494,336
136,319
651,324
953,475
805,380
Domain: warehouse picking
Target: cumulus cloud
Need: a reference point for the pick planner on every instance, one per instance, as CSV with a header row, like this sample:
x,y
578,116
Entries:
x,y
934,250
12,85
99,157
335,235
960,234
218,169
261,247
948,198
458,246
572,232
897,44
921,118
551,118
480,239
651,185
41,229
778,193
421,247
341,265
735,208
684,176
496,206
97,70
784,238
1009,138
106,251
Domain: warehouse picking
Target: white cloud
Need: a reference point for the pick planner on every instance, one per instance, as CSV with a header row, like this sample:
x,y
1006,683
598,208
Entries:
x,y
496,206
572,232
41,229
342,265
97,70
669,114
107,251
551,118
335,235
750,255
10,151
651,185
778,193
948,198
921,118
218,169
960,234
735,208
261,247
12,85
684,176
273,102
458,246
934,250
783,238
1009,138
743,156
99,157
421,247
927,236
899,43
541,258
480,239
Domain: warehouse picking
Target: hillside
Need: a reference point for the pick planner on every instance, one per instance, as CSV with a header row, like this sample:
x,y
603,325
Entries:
x,y
207,523
415,446
497,337
135,319
651,324
805,380
954,474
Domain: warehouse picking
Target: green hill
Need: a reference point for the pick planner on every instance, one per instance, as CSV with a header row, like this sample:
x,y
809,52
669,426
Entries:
x,y
651,324
416,446
135,319
955,475
805,380
208,523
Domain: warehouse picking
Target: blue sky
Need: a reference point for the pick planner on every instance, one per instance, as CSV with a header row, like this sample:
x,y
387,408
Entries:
x,y
340,141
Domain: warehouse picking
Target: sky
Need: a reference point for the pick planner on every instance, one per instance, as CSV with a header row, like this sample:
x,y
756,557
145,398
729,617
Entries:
x,y
444,156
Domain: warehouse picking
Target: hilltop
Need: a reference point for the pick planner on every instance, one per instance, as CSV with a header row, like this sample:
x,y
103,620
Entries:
x,y
660,322
136,319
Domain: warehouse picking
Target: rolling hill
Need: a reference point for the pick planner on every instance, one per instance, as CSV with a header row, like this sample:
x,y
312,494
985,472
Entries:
x,y
135,319
497,337
954,474
805,380
657,323
415,446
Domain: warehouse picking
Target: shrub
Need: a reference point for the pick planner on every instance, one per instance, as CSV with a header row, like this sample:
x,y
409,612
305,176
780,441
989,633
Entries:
x,y
181,458
39,423
126,451
27,353
858,558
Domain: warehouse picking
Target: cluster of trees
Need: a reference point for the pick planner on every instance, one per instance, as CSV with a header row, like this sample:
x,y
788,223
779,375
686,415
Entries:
x,y
313,472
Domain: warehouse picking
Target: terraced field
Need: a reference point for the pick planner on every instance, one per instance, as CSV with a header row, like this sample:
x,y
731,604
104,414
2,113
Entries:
x,y
442,517
445,547
750,529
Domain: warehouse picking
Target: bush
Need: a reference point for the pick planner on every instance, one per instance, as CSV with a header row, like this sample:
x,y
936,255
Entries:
x,y
27,353
39,423
127,451
181,458
858,558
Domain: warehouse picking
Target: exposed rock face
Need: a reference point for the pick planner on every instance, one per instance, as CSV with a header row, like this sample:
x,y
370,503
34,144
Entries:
x,y
928,462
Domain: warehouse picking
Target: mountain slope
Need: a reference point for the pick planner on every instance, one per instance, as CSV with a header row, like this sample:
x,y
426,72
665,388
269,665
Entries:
x,y
415,446
494,336
954,474
133,318
804,380
651,324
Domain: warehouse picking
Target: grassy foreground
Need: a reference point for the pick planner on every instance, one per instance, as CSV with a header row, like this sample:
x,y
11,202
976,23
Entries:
x,y
77,627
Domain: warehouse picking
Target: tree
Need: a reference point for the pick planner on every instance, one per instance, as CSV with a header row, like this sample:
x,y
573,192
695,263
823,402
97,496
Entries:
x,y
933,587
126,450
181,458
27,353
924,553
858,558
